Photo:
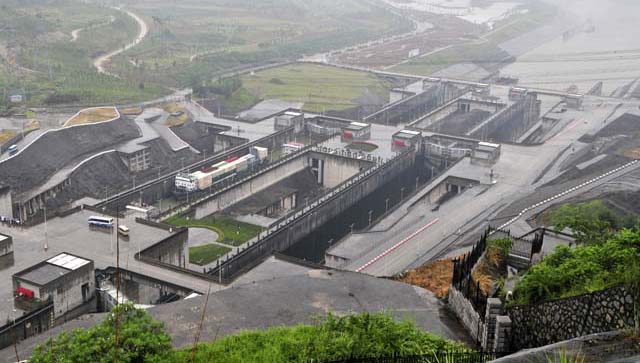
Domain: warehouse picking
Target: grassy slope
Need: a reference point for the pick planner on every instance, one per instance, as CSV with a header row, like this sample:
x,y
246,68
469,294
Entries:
x,y
237,33
480,52
321,88
56,64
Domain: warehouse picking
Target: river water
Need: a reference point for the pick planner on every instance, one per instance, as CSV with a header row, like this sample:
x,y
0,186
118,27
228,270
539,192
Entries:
x,y
610,53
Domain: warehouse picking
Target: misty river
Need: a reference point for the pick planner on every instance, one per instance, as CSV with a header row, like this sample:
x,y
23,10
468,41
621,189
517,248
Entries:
x,y
606,49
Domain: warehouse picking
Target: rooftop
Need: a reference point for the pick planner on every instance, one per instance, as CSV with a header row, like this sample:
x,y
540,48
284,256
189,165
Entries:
x,y
50,270
406,134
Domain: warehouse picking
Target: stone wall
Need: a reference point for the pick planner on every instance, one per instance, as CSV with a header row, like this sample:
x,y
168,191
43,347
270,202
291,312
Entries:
x,y
6,204
465,312
555,321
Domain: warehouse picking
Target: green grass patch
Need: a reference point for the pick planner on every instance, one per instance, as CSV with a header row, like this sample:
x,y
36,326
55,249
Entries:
x,y
229,231
205,254
320,88
240,100
362,146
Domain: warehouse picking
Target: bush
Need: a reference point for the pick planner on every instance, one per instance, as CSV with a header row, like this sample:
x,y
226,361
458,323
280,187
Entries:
x,y
140,339
587,268
591,222
335,337
143,340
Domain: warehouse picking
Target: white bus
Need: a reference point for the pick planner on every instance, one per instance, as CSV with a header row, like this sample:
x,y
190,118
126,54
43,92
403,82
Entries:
x,y
101,221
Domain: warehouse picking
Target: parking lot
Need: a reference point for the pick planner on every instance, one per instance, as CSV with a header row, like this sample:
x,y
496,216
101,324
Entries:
x,y
72,234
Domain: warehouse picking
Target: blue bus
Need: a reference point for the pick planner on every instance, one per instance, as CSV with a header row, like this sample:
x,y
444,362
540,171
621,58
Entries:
x,y
101,221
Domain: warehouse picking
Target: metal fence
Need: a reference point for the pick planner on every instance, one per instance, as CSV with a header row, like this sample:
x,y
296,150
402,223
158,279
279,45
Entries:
x,y
463,280
435,357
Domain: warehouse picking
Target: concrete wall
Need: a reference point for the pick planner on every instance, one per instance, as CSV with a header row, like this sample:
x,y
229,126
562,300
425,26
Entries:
x,y
452,106
226,198
67,292
171,250
512,122
6,251
143,289
303,222
6,206
411,108
26,326
336,169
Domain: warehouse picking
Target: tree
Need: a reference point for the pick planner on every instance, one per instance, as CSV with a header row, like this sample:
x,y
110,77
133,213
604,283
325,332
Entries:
x,y
140,339
590,222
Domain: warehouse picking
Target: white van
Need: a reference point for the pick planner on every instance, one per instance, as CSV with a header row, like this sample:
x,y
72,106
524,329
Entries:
x,y
123,230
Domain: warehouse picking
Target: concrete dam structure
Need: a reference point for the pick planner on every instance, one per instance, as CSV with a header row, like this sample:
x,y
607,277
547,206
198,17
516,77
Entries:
x,y
300,223
329,170
413,107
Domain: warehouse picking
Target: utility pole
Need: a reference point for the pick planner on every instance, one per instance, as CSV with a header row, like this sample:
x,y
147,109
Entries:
x,y
370,215
386,205
46,236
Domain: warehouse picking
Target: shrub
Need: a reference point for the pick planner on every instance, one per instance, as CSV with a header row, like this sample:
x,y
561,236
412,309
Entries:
x,y
586,268
140,339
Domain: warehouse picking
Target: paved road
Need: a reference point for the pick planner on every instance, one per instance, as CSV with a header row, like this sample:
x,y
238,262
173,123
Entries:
x,y
99,62
72,234
514,174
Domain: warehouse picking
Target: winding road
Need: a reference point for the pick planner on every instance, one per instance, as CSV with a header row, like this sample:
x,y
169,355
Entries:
x,y
144,30
76,32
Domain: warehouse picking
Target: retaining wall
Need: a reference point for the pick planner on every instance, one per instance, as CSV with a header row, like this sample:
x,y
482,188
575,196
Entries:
x,y
555,321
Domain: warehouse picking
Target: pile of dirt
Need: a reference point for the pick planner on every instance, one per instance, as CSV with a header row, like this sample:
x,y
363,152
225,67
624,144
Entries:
x,y
435,276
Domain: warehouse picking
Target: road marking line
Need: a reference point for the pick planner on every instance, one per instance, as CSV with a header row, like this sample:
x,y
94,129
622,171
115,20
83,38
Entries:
x,y
394,247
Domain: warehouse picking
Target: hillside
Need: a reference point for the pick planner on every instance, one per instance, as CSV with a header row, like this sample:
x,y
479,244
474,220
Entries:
x,y
47,50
